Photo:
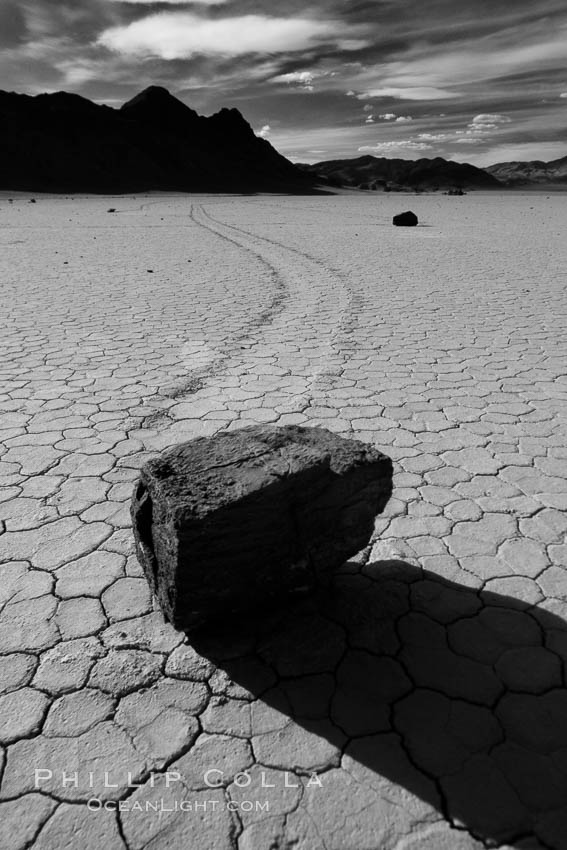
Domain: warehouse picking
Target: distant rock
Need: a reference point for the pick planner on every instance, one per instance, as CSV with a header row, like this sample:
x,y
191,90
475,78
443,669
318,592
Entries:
x,y
64,143
405,219
238,521
401,175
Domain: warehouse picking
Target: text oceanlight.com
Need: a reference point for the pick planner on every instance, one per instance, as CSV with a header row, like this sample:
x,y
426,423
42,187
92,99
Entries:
x,y
160,806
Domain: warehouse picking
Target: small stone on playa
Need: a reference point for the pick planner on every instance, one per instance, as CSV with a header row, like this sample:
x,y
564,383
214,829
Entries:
x,y
405,219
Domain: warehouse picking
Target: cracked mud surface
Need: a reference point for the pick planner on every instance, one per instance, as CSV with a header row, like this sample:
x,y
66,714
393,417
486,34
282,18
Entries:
x,y
427,690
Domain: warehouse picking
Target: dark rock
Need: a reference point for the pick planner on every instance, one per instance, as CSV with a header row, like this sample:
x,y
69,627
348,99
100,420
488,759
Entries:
x,y
234,522
406,219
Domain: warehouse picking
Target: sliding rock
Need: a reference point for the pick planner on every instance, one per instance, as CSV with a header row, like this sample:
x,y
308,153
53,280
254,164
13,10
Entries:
x,y
405,219
231,523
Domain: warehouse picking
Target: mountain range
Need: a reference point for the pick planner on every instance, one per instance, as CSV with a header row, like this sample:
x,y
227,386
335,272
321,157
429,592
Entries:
x,y
370,172
63,142
529,173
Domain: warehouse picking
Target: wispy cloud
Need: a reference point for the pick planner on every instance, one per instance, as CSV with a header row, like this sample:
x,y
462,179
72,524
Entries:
x,y
174,2
522,151
391,116
305,80
407,93
488,121
301,77
392,147
13,25
302,80
180,35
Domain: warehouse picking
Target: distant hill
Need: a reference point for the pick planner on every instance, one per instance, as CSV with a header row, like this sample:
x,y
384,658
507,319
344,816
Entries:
x,y
529,173
370,172
65,143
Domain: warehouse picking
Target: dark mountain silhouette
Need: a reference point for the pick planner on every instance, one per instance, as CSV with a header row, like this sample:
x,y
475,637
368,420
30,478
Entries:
x,y
529,173
65,143
370,172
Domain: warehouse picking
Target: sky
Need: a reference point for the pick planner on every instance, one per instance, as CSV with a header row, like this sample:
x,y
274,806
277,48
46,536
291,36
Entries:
x,y
482,81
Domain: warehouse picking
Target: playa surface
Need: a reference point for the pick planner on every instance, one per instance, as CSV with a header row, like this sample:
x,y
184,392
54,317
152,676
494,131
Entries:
x,y
423,703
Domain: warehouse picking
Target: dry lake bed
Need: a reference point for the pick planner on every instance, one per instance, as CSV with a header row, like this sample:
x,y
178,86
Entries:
x,y
423,703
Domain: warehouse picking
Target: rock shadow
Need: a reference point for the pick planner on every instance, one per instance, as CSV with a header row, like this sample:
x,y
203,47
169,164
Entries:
x,y
455,694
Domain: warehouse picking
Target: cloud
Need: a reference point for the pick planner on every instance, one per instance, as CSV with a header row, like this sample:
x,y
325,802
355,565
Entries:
x,y
563,94
78,72
453,57
398,119
402,144
428,71
522,151
388,116
489,121
13,27
174,2
434,137
480,129
299,79
181,35
264,131
295,77
408,93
